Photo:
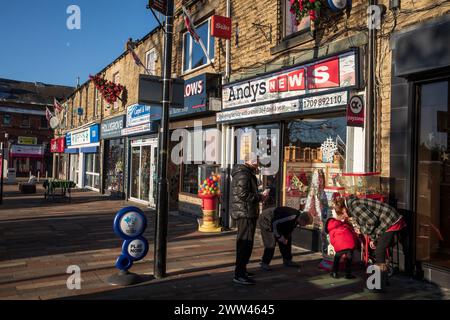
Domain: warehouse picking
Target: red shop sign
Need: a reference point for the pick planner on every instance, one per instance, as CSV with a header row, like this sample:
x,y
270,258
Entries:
x,y
355,112
221,27
57,145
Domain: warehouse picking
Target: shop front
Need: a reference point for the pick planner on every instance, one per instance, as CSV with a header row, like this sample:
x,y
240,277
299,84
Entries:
x,y
295,122
27,158
60,159
142,151
193,133
113,157
84,161
420,144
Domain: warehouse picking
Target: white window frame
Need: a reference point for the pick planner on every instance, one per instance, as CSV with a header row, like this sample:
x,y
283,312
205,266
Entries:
x,y
92,173
116,81
190,69
151,69
284,14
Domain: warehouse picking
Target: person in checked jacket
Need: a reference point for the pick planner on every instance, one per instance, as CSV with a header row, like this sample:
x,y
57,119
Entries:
x,y
376,219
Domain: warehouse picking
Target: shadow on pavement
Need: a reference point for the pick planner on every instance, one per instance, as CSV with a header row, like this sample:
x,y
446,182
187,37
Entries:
x,y
280,284
46,236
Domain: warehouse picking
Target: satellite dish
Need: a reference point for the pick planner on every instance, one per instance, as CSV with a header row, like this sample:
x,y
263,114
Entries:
x,y
54,122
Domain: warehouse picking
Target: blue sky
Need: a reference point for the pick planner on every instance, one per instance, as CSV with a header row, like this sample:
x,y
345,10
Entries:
x,y
36,45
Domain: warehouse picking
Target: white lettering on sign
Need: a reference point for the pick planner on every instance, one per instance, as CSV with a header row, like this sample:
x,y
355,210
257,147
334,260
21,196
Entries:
x,y
336,72
222,26
193,89
321,74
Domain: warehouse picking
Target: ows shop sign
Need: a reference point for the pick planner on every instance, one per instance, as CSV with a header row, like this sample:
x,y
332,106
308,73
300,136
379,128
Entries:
x,y
197,93
333,73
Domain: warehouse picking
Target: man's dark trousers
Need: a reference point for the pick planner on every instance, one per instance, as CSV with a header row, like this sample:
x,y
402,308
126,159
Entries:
x,y
244,246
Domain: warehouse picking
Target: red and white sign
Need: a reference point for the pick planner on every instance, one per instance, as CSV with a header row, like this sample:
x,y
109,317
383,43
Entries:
x,y
317,77
324,75
355,112
27,151
221,27
194,88
57,145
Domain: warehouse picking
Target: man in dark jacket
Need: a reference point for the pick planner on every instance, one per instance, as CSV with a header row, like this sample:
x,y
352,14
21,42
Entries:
x,y
244,209
276,226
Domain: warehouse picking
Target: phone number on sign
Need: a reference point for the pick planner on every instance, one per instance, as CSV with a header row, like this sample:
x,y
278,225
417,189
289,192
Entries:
x,y
326,101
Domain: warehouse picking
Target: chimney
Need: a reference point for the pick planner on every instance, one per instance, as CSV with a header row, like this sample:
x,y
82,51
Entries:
x,y
129,43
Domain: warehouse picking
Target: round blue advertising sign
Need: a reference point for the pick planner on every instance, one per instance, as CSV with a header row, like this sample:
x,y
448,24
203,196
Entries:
x,y
135,249
130,223
338,5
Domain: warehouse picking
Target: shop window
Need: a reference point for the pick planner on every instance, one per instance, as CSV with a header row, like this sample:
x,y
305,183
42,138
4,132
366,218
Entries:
x,y
193,54
314,156
433,174
150,58
290,25
197,153
6,119
44,122
92,167
25,120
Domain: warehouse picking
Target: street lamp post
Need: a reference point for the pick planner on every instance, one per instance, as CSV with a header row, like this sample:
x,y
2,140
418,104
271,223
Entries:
x,y
162,203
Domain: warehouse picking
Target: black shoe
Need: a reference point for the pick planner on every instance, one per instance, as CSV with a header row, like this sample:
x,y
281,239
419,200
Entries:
x,y
334,275
242,280
349,276
249,274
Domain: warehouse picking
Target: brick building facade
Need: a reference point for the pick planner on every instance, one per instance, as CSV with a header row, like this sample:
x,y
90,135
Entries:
x,y
266,44
22,116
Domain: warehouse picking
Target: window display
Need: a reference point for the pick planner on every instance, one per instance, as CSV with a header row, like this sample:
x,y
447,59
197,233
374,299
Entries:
x,y
314,154
114,165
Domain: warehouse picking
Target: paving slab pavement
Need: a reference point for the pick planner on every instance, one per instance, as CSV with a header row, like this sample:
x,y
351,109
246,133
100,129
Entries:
x,y
40,239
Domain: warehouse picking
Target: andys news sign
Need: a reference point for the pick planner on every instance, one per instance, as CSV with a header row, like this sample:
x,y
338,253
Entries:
x,y
320,76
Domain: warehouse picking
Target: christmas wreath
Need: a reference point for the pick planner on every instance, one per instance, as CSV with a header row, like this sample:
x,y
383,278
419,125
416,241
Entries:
x,y
109,90
304,8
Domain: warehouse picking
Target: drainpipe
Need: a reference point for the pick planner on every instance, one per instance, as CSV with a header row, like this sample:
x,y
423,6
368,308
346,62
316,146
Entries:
x,y
225,143
371,114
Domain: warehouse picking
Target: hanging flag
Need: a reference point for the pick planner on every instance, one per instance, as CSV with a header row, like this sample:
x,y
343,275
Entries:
x,y
193,32
58,107
48,114
190,25
136,59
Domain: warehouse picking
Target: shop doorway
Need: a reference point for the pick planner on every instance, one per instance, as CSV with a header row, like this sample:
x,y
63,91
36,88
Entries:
x,y
264,141
433,173
143,166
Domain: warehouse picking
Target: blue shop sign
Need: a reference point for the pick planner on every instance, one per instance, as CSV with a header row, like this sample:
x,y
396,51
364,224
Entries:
x,y
197,91
83,136
141,119
137,114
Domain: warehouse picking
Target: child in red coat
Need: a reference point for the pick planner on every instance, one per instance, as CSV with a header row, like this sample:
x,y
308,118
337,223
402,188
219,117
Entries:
x,y
344,241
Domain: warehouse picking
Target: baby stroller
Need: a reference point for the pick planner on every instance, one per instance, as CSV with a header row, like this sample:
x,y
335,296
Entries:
x,y
368,255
